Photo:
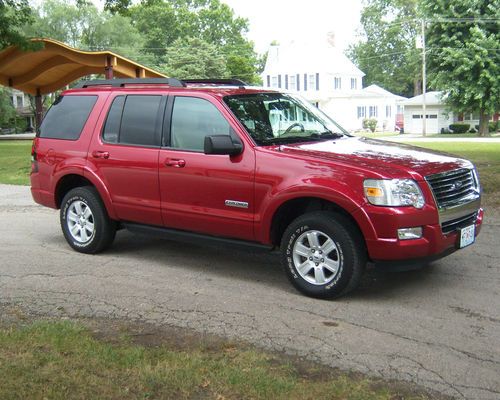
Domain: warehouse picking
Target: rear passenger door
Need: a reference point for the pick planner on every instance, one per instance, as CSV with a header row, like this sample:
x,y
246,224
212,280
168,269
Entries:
x,y
204,193
125,155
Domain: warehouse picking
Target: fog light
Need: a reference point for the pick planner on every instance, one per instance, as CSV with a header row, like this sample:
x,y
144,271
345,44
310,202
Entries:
x,y
410,233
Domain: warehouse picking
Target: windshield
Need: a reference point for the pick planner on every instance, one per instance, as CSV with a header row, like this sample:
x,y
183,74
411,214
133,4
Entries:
x,y
282,118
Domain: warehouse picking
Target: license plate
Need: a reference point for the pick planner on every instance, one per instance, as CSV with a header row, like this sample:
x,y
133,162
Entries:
x,y
467,235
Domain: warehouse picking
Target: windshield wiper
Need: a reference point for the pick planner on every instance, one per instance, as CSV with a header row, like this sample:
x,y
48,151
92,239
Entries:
x,y
327,135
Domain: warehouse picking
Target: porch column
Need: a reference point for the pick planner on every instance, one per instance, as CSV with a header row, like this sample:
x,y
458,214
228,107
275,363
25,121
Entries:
x,y
108,69
38,110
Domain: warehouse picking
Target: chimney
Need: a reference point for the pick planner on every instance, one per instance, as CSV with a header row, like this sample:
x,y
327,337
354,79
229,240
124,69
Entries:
x,y
331,38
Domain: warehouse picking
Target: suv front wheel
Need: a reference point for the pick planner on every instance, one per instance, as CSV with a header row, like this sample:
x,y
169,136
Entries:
x,y
323,255
85,222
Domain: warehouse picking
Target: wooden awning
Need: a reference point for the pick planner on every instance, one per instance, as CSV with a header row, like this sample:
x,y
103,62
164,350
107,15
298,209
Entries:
x,y
55,65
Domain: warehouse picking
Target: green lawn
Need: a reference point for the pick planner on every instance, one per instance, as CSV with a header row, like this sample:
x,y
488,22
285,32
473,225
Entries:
x,y
62,360
15,161
486,157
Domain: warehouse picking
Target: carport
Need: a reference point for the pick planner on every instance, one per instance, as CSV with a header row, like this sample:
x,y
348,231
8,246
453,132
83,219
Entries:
x,y
53,65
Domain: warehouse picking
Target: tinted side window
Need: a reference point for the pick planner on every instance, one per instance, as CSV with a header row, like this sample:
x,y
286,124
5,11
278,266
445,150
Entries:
x,y
192,120
67,116
112,127
138,124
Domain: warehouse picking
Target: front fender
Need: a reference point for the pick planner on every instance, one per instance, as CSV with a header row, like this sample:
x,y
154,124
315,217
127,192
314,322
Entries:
x,y
348,201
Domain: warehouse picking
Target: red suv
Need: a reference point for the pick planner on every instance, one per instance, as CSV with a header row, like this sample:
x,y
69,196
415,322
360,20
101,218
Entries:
x,y
217,160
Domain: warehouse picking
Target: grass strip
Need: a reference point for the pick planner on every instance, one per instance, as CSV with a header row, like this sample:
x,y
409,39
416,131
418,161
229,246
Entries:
x,y
62,360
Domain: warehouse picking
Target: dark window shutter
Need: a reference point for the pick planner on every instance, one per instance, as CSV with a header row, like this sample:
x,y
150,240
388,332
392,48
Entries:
x,y
305,82
298,82
317,81
279,81
286,82
269,81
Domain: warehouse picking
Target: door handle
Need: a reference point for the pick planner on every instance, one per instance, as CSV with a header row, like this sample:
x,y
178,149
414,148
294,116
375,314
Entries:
x,y
175,162
100,154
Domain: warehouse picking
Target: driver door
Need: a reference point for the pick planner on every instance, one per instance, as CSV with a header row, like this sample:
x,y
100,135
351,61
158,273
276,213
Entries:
x,y
210,194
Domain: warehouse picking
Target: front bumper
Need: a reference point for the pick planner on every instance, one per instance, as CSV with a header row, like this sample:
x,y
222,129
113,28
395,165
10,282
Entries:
x,y
384,246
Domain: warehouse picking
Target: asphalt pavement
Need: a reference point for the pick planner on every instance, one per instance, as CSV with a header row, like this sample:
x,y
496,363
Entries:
x,y
438,327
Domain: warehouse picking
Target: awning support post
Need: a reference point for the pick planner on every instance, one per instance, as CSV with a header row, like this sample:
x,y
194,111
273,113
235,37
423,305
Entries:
x,y
108,69
38,109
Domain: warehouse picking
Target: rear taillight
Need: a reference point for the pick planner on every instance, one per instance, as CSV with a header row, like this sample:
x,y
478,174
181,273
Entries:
x,y
34,162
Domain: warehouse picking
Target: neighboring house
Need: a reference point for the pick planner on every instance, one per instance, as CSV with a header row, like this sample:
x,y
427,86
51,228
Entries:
x,y
322,74
438,115
21,103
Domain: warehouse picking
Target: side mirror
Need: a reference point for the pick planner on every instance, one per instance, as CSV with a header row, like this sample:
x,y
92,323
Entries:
x,y
222,144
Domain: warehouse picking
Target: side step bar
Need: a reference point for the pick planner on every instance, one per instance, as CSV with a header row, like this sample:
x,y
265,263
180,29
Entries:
x,y
196,238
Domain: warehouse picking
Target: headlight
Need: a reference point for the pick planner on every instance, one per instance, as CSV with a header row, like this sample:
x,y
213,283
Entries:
x,y
393,192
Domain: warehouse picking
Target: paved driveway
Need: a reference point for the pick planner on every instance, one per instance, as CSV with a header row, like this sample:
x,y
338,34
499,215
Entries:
x,y
438,327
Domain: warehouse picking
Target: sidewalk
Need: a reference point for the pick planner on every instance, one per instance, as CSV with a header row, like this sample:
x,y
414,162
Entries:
x,y
420,138
19,136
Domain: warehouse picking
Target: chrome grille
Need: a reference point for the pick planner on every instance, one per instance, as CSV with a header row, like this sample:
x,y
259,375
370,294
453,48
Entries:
x,y
453,187
462,222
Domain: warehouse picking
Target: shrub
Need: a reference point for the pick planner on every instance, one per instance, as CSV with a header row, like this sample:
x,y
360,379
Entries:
x,y
370,123
493,126
444,131
472,130
459,128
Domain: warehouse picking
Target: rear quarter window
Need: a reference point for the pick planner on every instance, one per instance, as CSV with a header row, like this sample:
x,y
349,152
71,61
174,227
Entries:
x,y
67,117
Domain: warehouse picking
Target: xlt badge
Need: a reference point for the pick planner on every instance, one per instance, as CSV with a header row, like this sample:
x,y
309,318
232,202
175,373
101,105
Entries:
x,y
235,203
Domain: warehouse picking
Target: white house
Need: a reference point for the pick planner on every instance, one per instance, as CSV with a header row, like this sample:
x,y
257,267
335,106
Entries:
x,y
322,74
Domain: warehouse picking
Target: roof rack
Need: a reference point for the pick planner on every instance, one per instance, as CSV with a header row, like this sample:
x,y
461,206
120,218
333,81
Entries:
x,y
229,82
132,81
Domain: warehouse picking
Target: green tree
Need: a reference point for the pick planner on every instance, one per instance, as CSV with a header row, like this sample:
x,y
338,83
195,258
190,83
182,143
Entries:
x,y
14,14
194,58
7,111
83,26
386,52
463,38
162,22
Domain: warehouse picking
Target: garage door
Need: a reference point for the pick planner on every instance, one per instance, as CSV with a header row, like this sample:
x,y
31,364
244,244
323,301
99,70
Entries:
x,y
417,122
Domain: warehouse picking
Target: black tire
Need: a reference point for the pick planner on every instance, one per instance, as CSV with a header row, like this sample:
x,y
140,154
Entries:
x,y
104,229
349,254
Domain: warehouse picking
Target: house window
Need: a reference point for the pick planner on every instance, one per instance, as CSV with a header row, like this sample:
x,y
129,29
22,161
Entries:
x,y
416,116
361,111
337,83
312,81
274,82
388,111
354,83
292,84
373,111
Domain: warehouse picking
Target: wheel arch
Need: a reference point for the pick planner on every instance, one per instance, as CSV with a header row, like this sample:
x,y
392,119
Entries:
x,y
290,209
71,181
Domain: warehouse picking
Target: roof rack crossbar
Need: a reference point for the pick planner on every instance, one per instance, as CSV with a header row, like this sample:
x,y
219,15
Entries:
x,y
137,81
229,82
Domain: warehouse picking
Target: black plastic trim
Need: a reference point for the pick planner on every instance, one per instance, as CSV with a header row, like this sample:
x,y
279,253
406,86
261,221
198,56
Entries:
x,y
191,237
137,81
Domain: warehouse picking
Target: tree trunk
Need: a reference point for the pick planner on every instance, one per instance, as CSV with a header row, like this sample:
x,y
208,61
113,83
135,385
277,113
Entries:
x,y
484,120
417,87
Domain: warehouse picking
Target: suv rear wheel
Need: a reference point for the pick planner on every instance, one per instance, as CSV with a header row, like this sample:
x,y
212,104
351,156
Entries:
x,y
85,222
323,255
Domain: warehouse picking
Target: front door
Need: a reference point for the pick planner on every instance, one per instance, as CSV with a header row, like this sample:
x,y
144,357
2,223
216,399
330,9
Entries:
x,y
203,193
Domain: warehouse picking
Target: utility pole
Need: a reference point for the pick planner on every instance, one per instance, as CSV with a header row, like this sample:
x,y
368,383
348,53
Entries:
x,y
424,82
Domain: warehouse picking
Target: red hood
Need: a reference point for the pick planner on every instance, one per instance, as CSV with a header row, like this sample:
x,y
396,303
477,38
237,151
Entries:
x,y
389,159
